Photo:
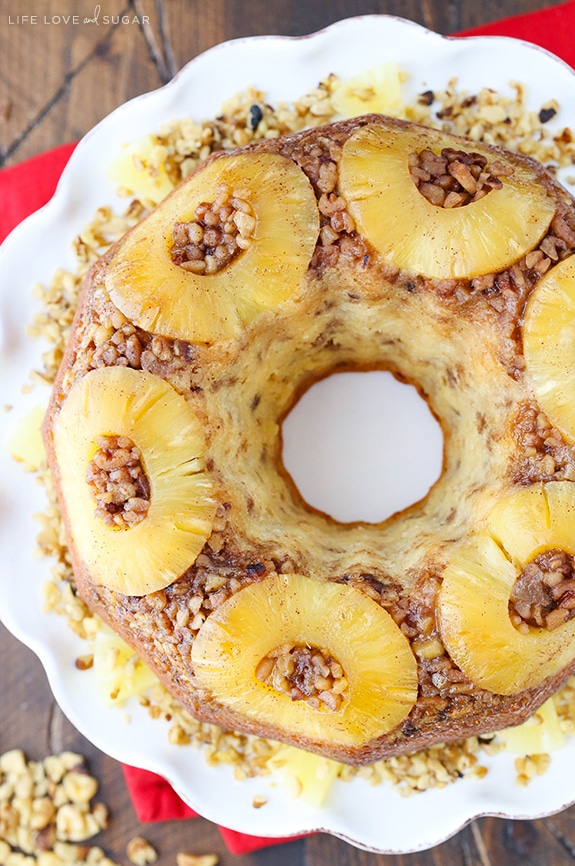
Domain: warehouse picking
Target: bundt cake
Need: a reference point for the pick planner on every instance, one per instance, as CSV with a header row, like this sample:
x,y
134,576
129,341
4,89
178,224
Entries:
x,y
368,244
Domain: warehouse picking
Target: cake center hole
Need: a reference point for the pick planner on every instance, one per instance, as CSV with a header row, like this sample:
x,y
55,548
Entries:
x,y
362,446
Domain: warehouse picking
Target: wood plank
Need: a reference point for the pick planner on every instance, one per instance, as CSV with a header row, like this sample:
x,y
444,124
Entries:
x,y
57,87
457,851
37,59
530,843
192,26
562,827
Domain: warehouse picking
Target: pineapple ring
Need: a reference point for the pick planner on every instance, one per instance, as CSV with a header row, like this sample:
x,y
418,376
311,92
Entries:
x,y
375,655
166,299
549,345
152,554
441,243
473,605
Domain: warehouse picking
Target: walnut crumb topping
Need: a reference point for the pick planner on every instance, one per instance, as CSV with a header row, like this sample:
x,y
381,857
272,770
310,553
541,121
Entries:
x,y
119,482
305,673
455,178
543,596
219,232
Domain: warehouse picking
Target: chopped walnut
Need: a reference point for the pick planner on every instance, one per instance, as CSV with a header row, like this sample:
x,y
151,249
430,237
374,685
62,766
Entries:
x,y
258,801
119,482
543,596
46,811
305,673
219,232
141,852
84,662
184,859
545,455
455,178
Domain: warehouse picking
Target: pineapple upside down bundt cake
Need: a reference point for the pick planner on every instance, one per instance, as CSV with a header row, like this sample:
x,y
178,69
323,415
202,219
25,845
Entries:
x,y
367,244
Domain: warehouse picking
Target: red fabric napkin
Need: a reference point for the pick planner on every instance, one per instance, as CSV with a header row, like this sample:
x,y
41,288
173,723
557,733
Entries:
x,y
26,187
155,800
549,28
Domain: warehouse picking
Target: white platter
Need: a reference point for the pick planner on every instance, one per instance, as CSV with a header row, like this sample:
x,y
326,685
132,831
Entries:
x,y
376,819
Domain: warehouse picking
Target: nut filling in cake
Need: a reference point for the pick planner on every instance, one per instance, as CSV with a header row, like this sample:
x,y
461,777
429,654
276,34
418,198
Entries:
x,y
369,244
218,233
119,481
455,178
544,594
304,673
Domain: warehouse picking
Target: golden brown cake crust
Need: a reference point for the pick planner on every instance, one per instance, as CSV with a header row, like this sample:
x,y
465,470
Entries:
x,y
457,339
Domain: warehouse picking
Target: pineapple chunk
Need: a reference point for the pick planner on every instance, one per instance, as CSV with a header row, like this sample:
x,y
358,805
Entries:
x,y
307,776
377,91
141,170
539,734
483,236
474,600
24,441
375,655
164,298
120,673
145,408
549,345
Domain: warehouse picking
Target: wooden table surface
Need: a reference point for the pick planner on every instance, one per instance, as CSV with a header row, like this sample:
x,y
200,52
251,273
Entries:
x,y
56,81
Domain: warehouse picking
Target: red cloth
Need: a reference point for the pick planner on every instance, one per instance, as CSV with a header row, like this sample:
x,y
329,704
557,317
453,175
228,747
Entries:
x,y
155,800
549,28
26,187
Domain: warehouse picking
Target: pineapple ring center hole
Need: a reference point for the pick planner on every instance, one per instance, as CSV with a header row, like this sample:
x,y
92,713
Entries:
x,y
218,233
454,178
543,596
305,673
119,482
362,446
